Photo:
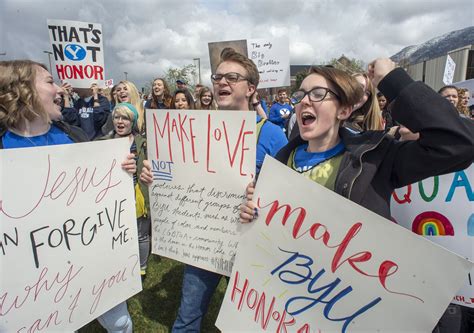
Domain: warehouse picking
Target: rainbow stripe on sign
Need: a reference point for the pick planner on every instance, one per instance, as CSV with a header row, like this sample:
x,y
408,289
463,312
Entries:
x,y
432,224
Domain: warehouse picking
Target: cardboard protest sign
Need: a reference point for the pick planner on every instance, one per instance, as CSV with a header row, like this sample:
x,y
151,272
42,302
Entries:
x,y
78,51
68,235
271,56
314,261
441,209
202,162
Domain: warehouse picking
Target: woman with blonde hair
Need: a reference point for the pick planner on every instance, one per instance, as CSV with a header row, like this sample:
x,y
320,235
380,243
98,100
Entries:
x,y
127,92
367,114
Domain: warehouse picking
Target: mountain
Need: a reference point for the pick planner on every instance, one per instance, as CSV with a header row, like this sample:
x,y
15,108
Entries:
x,y
436,47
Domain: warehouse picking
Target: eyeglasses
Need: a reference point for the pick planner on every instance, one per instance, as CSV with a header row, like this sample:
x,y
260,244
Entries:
x,y
229,77
316,94
122,118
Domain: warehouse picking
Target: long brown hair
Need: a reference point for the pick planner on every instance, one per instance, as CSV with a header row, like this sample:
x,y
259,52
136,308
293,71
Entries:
x,y
212,106
166,95
187,94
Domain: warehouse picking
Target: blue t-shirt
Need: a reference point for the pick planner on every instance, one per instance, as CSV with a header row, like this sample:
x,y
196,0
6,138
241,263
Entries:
x,y
270,141
277,111
305,160
53,137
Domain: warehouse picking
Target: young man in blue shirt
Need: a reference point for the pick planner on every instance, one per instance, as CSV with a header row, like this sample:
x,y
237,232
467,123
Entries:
x,y
235,82
280,110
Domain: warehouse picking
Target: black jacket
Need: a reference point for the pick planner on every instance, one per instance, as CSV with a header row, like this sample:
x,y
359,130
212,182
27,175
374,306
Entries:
x,y
374,163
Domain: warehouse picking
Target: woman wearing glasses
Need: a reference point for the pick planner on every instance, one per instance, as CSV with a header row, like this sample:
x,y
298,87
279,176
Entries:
x,y
368,166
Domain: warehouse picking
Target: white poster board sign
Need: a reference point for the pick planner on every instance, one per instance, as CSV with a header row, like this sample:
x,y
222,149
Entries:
x,y
449,70
109,83
68,235
314,261
78,51
271,56
441,209
202,162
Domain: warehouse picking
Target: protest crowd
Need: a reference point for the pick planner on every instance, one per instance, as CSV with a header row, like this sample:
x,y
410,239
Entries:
x,y
370,133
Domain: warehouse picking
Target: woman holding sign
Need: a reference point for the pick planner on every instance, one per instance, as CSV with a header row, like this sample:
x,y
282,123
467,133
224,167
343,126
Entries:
x,y
367,167
30,113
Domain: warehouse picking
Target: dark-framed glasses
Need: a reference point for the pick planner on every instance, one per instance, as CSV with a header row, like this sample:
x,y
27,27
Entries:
x,y
121,118
229,77
316,94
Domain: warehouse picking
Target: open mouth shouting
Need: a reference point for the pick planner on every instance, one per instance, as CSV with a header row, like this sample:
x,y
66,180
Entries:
x,y
123,98
58,101
224,93
307,118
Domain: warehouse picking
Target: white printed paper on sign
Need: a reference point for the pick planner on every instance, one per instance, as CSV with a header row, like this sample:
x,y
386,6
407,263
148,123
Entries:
x,y
441,209
272,57
78,51
68,235
314,261
449,70
202,162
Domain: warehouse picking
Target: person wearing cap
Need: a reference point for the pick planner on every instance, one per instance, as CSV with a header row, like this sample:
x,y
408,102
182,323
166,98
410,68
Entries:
x,y
181,85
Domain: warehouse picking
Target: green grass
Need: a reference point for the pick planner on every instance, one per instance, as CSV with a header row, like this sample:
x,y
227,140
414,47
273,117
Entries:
x,y
154,309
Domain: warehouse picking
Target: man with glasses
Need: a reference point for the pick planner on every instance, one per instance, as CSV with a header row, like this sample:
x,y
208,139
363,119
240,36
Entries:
x,y
235,81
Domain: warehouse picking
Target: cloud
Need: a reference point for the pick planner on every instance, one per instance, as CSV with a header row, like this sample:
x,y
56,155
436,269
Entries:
x,y
146,37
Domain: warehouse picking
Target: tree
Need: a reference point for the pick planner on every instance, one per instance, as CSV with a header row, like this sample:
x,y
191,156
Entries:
x,y
351,65
186,73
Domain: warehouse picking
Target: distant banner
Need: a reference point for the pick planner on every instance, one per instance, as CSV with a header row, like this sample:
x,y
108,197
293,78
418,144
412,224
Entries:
x,y
78,51
441,209
68,235
202,162
314,261
272,57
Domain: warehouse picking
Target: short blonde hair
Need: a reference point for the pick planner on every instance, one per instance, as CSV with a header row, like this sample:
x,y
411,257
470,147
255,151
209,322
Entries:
x,y
19,101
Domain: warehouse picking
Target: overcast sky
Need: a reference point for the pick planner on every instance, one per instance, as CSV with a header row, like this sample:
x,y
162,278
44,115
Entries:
x,y
146,37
